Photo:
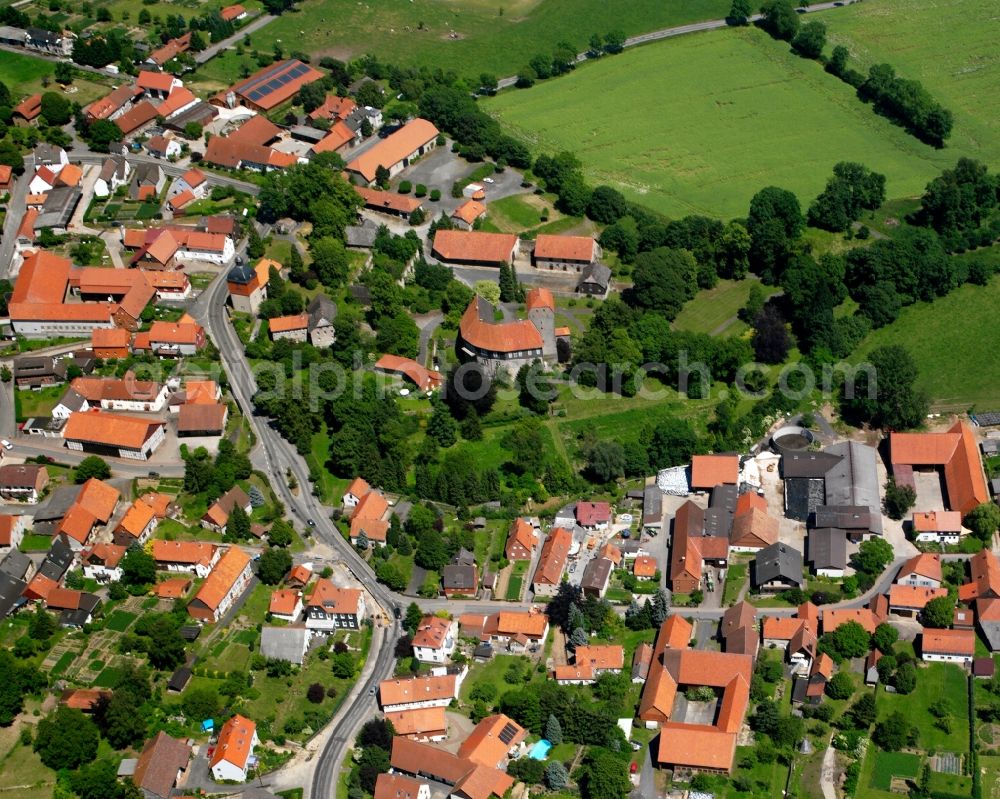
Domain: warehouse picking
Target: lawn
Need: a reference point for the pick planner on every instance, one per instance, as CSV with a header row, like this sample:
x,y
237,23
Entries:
x,y
935,681
893,764
471,37
990,765
734,111
33,542
491,672
37,403
948,338
946,46
945,786
108,677
736,577
516,584
119,621
22,774
23,75
63,663
714,310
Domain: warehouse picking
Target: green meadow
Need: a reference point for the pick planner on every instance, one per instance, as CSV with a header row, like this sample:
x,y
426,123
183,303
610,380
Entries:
x,y
469,37
698,124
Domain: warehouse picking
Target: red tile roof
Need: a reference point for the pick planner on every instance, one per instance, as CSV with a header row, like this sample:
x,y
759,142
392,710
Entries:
x,y
109,429
564,248
138,115
539,297
474,245
590,514
387,200
985,582
926,564
708,471
223,576
552,560
30,107
154,81
469,211
394,148
432,632
285,324
913,596
956,451
423,378
948,642
497,337
235,742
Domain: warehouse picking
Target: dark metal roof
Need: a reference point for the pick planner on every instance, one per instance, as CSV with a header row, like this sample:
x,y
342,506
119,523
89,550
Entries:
x,y
777,562
807,464
849,517
827,548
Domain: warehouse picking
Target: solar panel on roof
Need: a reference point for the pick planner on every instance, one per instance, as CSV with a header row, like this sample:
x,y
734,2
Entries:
x,y
507,733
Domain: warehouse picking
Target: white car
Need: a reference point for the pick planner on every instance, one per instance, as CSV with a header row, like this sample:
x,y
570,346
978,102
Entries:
x,y
6,444
488,180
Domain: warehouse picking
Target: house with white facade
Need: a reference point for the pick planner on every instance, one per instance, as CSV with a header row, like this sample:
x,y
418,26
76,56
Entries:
x,y
191,557
436,689
435,639
227,581
330,607
101,562
232,757
947,646
921,571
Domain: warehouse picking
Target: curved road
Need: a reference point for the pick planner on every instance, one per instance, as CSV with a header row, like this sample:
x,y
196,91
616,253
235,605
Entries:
x,y
680,30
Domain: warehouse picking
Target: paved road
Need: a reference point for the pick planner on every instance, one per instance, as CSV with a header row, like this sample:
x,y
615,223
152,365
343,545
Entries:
x,y
427,326
15,211
211,52
681,30
173,170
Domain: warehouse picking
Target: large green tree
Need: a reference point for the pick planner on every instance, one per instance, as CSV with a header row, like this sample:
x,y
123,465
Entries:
x,y
274,564
663,280
605,776
884,391
66,739
91,466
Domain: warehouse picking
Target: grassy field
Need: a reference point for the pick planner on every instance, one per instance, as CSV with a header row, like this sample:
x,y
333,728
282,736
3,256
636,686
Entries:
x,y
735,111
948,339
991,776
23,75
893,764
22,774
119,620
919,38
714,310
469,37
936,681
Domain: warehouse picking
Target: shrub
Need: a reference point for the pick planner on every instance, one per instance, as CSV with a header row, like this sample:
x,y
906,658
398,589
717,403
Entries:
x,y
404,187
421,190
435,195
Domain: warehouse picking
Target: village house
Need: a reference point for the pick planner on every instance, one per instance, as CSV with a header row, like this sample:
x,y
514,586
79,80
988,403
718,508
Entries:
x,y
121,394
589,663
161,765
954,454
12,529
217,516
137,525
225,583
910,600
248,285
431,690
110,434
460,577
596,577
515,631
752,529
202,420
827,551
423,379
286,605
369,520
552,562
922,570
475,248
395,152
796,635
947,646
23,482
115,173
174,339
398,786
423,724
776,568
114,343
322,313
937,526
233,751
435,639
466,779
195,557
464,217
330,607
564,252
101,562
521,541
